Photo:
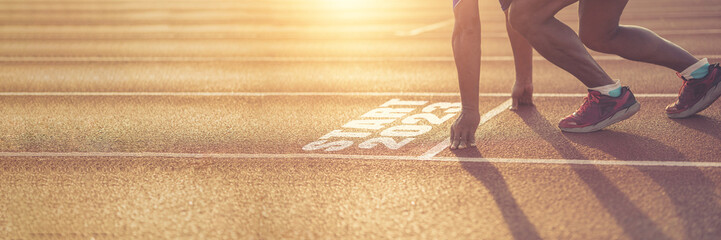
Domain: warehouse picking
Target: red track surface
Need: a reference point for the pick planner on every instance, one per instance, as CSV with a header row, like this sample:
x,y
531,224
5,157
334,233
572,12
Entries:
x,y
132,119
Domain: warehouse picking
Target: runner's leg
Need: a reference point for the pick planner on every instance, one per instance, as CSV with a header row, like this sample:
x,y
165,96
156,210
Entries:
x,y
600,30
558,43
554,40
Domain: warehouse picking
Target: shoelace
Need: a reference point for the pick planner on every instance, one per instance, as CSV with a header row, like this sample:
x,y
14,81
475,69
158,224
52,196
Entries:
x,y
593,97
681,95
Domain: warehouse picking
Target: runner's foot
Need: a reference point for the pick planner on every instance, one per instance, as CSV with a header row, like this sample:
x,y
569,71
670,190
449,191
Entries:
x,y
696,94
600,111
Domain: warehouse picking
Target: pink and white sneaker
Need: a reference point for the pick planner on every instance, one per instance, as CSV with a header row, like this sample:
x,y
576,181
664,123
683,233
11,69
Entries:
x,y
599,111
696,94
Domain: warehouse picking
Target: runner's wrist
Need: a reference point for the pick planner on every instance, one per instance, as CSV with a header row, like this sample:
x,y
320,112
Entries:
x,y
469,109
524,80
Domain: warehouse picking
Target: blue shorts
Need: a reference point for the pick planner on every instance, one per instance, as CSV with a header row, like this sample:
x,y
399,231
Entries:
x,y
455,2
504,4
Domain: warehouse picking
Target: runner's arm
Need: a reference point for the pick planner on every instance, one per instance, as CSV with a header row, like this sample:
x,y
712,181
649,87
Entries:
x,y
522,92
467,54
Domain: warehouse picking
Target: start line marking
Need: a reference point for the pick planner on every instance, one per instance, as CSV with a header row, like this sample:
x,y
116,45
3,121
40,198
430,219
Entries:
x,y
364,157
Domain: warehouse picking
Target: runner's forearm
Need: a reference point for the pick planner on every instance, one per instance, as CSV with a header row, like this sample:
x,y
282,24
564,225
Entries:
x,y
467,54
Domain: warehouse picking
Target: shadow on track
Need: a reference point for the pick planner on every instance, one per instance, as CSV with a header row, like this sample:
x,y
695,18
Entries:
x,y
624,146
634,222
692,193
517,221
702,124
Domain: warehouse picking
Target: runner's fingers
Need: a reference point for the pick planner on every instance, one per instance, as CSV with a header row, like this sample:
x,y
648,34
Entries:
x,y
528,99
457,137
453,140
514,103
453,132
472,140
463,139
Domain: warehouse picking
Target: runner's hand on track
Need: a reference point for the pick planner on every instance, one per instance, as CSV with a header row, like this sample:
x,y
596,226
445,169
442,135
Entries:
x,y
463,130
522,94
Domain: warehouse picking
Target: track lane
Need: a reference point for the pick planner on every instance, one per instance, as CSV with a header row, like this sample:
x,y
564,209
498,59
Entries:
x,y
376,76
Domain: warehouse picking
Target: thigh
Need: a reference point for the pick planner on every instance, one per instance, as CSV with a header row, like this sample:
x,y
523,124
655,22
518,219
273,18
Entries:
x,y
538,8
599,17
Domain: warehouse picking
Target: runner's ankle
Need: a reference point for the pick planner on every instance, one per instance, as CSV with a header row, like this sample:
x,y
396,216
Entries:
x,y
612,90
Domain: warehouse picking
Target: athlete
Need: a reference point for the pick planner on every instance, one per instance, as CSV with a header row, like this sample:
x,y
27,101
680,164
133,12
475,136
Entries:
x,y
467,52
608,102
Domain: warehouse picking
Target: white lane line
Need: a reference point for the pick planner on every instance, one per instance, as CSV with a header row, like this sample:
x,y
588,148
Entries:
x,y
436,149
300,94
651,163
447,142
287,59
426,28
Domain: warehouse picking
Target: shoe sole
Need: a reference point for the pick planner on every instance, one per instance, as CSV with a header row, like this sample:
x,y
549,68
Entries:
x,y
621,115
702,104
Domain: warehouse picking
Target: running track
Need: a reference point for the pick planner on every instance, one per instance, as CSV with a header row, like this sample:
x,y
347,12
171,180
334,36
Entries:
x,y
313,119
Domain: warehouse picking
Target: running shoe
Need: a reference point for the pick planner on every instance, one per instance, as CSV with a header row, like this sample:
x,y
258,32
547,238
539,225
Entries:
x,y
599,111
696,94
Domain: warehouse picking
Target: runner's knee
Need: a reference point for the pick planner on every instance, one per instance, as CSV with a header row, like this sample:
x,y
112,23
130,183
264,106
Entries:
x,y
600,41
523,18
